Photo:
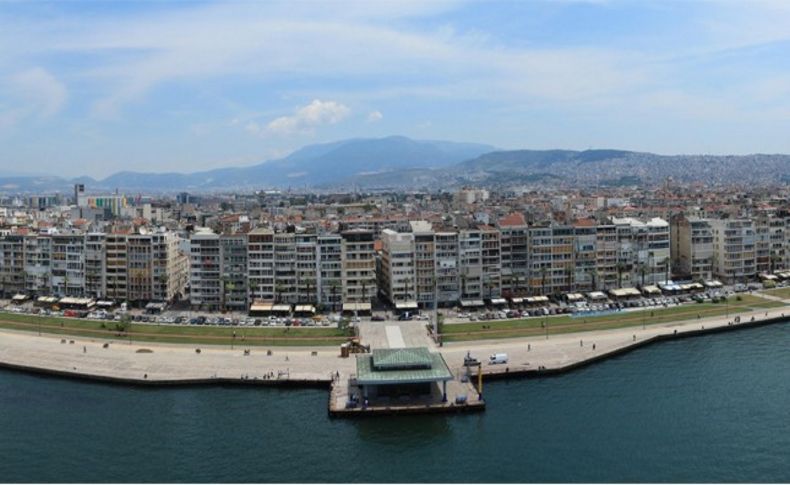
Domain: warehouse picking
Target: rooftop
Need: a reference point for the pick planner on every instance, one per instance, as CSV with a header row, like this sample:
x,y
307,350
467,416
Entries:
x,y
401,366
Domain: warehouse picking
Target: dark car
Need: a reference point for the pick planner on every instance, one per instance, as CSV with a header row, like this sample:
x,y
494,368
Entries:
x,y
377,318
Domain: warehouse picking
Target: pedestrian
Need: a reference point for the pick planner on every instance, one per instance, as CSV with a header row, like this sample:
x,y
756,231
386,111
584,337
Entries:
x,y
593,346
84,349
529,347
634,337
581,343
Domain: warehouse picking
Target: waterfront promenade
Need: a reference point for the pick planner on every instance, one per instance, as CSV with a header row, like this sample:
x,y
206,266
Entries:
x,y
154,363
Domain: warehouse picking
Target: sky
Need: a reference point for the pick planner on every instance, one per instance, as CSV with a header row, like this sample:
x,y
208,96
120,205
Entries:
x,y
93,88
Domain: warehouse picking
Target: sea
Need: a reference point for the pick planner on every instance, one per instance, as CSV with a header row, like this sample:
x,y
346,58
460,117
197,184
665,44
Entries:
x,y
714,408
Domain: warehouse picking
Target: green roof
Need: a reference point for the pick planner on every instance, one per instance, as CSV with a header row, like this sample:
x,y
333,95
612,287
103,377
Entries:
x,y
368,374
405,358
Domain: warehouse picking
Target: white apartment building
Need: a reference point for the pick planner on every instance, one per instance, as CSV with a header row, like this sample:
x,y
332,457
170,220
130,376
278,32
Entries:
x,y
692,248
733,249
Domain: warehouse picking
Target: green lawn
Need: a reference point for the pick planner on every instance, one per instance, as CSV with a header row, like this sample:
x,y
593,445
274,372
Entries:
x,y
780,292
566,324
188,334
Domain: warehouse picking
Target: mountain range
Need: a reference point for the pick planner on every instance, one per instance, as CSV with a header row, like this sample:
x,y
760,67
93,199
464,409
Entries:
x,y
398,162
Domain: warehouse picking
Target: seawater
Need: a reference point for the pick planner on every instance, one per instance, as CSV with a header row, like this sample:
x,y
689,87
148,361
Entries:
x,y
713,408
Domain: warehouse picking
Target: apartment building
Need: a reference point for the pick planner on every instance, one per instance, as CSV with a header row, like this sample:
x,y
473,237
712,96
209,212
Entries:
x,y
514,235
38,272
643,252
68,264
329,271
12,264
446,254
95,265
733,249
470,264
551,259
397,278
260,264
233,272
358,266
691,248
769,243
205,276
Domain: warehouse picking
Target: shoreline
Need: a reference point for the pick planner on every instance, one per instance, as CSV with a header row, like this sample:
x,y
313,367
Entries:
x,y
315,374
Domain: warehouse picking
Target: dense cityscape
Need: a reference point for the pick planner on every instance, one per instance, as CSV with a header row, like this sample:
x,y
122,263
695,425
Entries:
x,y
403,251
400,241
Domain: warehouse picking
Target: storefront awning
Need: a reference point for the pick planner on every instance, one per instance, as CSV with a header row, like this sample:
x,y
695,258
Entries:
x,y
574,296
261,307
596,295
472,303
536,299
406,305
651,289
356,307
498,301
304,309
517,300
624,292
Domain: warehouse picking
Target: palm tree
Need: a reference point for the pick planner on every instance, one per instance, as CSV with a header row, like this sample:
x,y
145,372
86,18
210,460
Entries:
x,y
594,276
665,262
543,271
642,269
463,285
516,284
569,277
334,295
278,288
620,269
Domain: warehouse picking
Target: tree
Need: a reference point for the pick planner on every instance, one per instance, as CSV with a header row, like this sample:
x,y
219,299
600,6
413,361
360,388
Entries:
x,y
642,269
334,295
516,284
543,271
594,276
569,277
620,269
463,285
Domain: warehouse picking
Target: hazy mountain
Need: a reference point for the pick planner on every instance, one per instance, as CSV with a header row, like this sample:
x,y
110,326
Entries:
x,y
398,162
312,165
587,168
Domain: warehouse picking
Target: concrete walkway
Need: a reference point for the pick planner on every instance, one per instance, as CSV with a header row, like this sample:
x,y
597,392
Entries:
x,y
170,363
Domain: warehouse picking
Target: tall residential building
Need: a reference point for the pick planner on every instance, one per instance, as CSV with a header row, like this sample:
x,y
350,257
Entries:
x,y
397,280
68,264
205,277
38,271
12,264
358,266
692,248
260,264
233,272
643,252
329,263
514,254
733,249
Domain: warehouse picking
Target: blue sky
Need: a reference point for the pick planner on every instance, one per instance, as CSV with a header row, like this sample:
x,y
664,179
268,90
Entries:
x,y
98,87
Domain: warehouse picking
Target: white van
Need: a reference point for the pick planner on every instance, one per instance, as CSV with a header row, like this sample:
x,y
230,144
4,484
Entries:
x,y
498,359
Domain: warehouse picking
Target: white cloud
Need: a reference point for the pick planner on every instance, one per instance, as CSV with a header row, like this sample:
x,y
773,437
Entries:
x,y
308,117
38,91
375,116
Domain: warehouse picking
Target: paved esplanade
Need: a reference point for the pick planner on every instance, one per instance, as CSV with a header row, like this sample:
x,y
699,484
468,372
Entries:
x,y
180,362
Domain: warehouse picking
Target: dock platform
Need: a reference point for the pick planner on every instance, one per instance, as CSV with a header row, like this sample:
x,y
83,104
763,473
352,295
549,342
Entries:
x,y
462,397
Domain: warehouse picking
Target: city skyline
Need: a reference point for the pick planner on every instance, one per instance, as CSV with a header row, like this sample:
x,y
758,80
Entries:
x,y
95,88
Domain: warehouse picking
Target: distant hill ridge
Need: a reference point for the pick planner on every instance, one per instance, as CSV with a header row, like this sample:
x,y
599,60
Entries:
x,y
399,162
